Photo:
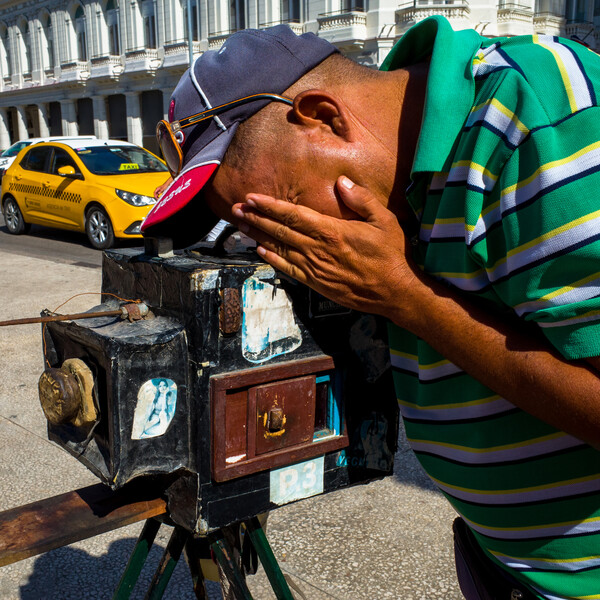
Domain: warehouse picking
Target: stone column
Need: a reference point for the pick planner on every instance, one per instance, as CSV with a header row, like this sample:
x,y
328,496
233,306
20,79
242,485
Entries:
x,y
4,131
69,118
100,118
43,120
21,124
134,118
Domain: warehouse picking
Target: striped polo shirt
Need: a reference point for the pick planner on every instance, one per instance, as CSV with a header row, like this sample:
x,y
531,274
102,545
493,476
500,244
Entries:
x,y
506,187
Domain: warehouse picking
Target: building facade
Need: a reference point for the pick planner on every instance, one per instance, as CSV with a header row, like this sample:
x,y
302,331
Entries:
x,y
107,67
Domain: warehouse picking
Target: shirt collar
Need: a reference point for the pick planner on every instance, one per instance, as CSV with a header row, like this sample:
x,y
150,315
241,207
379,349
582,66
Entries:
x,y
450,86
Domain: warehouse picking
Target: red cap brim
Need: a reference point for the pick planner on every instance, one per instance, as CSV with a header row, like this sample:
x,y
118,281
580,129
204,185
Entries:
x,y
181,191
181,213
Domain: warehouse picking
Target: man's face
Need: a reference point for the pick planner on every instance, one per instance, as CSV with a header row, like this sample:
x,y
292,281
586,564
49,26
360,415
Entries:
x,y
299,180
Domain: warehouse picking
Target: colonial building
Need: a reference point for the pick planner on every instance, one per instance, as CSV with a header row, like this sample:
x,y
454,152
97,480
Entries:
x,y
107,67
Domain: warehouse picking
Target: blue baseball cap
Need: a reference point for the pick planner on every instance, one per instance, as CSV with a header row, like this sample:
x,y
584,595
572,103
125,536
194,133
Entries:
x,y
250,62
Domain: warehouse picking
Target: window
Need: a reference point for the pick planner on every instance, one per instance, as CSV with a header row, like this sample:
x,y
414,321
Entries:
x,y
576,11
195,27
62,158
5,53
36,159
358,5
114,34
237,15
119,160
81,34
150,31
149,24
49,40
25,46
290,11
553,7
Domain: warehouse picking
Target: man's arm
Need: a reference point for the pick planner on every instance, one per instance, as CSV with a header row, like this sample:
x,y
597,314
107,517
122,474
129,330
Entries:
x,y
365,265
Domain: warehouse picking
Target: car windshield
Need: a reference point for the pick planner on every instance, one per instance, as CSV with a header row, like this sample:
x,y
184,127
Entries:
x,y
119,160
15,149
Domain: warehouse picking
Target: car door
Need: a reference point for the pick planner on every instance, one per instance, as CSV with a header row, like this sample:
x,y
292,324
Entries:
x,y
27,184
64,193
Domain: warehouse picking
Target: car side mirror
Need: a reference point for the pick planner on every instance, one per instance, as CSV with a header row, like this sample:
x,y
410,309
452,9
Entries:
x,y
69,171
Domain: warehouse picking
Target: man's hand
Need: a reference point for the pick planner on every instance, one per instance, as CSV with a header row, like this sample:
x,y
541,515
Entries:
x,y
158,192
361,264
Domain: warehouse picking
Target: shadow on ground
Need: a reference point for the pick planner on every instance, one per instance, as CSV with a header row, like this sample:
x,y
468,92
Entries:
x,y
72,574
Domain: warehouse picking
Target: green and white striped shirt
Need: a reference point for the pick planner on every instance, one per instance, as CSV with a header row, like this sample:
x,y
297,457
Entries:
x,y
506,185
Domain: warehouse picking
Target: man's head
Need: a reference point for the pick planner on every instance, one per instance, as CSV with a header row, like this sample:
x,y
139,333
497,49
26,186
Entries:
x,y
294,150
297,153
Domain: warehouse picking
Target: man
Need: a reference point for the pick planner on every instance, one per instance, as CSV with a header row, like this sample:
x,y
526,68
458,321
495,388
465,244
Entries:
x,y
455,193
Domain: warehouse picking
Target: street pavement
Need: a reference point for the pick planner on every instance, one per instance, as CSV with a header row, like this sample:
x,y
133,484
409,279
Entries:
x,y
390,539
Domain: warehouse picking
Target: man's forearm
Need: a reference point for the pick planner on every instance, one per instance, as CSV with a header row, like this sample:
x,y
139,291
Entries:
x,y
506,356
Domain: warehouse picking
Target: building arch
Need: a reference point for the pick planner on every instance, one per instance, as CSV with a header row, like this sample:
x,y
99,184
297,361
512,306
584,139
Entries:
x,y
46,41
6,69
148,12
24,56
112,18
80,30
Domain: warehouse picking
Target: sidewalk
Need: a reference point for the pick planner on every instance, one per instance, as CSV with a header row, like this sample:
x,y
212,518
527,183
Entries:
x,y
389,539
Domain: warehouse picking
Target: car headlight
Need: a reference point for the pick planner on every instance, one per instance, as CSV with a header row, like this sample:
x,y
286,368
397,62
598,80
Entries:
x,y
135,199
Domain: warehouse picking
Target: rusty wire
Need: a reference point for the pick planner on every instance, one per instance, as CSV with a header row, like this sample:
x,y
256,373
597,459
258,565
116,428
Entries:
x,y
54,317
69,300
72,317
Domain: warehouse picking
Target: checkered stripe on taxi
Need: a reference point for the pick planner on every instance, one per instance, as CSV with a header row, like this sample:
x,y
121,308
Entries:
x,y
45,191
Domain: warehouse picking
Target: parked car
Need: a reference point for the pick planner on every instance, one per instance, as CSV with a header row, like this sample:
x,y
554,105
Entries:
x,y
101,187
8,156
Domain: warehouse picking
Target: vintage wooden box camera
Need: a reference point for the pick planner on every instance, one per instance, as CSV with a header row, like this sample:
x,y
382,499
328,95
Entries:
x,y
239,392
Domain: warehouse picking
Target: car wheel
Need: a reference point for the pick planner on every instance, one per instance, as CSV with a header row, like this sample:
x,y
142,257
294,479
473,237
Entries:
x,y
99,229
14,218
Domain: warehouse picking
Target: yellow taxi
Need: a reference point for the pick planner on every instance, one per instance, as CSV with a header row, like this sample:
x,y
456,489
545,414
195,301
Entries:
x,y
104,188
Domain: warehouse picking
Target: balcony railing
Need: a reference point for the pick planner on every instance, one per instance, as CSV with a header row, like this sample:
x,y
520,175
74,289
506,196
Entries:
x,y
75,70
106,66
421,9
142,54
514,12
216,39
549,22
352,20
295,25
143,59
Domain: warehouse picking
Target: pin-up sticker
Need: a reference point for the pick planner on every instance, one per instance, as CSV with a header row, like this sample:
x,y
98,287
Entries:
x,y
269,327
156,402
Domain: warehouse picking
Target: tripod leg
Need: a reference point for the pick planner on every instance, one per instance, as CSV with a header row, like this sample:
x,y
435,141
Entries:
x,y
137,560
167,564
235,587
193,551
268,560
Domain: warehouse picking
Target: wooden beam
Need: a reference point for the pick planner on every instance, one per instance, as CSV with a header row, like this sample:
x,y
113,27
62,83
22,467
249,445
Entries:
x,y
51,523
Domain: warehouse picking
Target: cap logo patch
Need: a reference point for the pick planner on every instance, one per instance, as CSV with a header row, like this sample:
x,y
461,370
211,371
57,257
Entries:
x,y
179,193
180,188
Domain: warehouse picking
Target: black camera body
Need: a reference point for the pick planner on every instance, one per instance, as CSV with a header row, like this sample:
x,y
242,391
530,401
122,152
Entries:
x,y
239,392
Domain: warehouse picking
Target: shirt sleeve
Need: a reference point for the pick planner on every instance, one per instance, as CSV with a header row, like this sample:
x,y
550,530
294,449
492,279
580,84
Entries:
x,y
538,237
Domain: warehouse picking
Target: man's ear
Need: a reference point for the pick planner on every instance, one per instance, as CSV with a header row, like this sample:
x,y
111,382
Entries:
x,y
318,108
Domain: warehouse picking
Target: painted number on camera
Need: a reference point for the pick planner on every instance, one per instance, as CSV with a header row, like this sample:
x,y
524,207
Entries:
x,y
297,481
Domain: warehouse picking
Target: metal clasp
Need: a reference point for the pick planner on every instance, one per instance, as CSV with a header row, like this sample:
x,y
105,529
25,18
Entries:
x,y
516,595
